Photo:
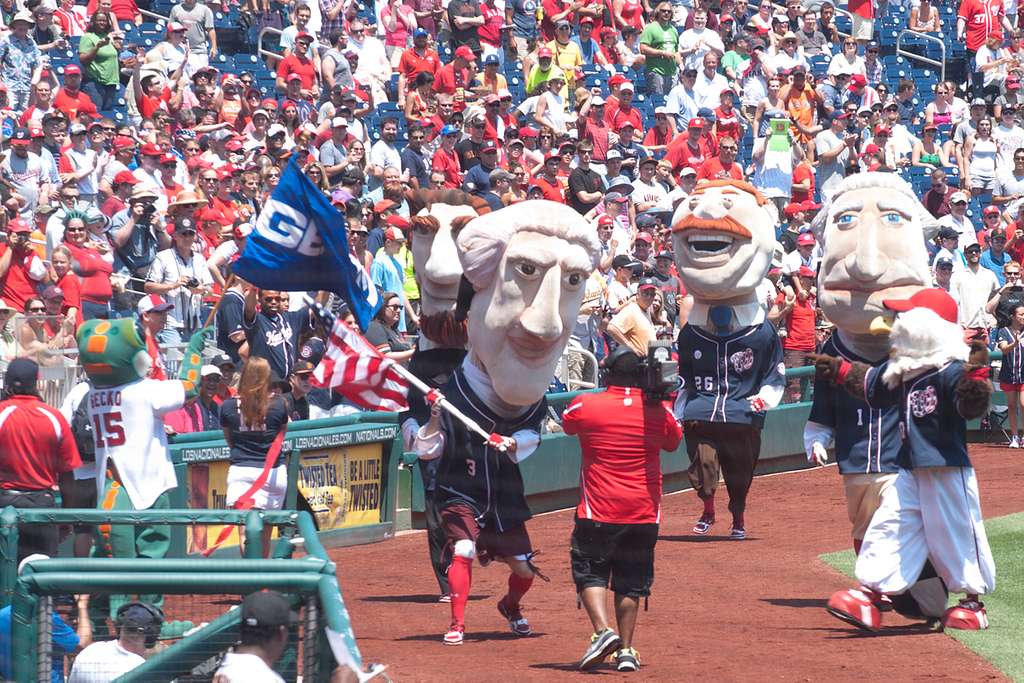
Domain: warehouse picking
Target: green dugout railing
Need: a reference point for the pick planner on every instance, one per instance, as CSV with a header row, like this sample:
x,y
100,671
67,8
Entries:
x,y
312,581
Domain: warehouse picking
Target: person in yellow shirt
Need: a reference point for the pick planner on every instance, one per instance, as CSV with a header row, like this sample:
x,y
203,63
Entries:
x,y
567,54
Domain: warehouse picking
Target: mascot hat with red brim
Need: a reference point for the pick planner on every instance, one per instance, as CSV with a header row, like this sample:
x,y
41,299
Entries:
x,y
934,299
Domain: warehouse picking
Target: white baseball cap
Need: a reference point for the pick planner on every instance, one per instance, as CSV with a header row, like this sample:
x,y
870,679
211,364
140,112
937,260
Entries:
x,y
153,302
210,370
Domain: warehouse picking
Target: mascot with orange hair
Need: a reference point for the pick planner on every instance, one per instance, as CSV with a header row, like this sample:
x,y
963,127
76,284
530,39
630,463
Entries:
x,y
730,357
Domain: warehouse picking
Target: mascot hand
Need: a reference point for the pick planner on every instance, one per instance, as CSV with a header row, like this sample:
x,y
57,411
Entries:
x,y
433,397
758,405
977,367
818,455
503,444
830,368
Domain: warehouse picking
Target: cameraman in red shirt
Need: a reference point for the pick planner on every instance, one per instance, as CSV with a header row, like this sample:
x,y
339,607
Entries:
x,y
621,434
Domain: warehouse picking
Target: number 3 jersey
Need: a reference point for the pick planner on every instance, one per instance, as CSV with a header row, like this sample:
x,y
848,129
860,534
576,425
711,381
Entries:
x,y
128,428
722,373
867,440
471,472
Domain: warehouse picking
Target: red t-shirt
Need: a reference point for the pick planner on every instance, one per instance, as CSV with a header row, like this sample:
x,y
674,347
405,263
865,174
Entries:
x,y
613,118
551,8
863,8
621,437
94,273
712,169
73,105
799,325
553,190
148,104
37,444
448,80
411,65
983,19
801,173
449,165
124,10
298,64
18,284
72,296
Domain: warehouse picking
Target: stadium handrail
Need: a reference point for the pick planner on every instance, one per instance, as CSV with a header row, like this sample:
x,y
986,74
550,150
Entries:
x,y
921,58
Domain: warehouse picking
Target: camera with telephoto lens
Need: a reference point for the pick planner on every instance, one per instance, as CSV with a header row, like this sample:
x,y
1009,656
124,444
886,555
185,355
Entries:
x,y
147,211
656,374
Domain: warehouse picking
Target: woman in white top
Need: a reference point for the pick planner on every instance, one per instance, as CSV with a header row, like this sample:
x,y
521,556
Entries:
x,y
980,159
847,61
924,17
550,110
170,53
992,61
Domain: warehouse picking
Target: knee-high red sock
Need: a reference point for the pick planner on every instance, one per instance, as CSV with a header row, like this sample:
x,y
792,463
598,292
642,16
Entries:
x,y
709,506
517,587
857,543
460,577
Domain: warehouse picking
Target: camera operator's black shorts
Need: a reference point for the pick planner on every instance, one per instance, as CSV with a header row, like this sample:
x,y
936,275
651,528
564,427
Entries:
x,y
623,553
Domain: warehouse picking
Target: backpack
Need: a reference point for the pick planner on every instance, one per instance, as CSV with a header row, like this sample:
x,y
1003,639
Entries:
x,y
81,428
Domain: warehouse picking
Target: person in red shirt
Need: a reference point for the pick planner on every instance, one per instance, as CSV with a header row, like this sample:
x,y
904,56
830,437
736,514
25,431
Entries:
x,y
976,22
298,63
454,78
548,181
418,60
690,150
798,320
723,166
554,12
803,182
446,159
151,93
621,433
123,10
39,455
662,134
625,111
70,99
727,118
21,269
593,128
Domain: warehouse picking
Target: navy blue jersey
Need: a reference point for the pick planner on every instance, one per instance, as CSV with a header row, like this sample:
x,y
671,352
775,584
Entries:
x,y
1011,371
933,431
867,440
721,374
471,472
435,368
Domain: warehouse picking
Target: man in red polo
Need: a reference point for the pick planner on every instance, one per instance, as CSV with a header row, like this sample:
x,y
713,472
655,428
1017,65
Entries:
x,y
39,454
723,166
421,58
624,110
454,78
622,432
21,269
298,63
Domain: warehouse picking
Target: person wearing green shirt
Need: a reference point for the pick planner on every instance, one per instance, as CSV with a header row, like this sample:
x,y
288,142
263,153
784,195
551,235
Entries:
x,y
734,62
97,52
659,42
541,71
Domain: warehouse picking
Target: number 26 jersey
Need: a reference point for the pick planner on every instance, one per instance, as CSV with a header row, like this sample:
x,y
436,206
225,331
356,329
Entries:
x,y
128,428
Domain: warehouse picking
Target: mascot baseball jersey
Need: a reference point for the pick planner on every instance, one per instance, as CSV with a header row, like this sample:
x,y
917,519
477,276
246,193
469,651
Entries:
x,y
722,373
934,433
470,471
867,440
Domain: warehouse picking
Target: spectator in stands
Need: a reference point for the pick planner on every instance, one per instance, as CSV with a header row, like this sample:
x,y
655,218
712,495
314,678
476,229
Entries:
x,y
8,344
938,197
834,148
847,60
976,22
1009,136
21,269
924,17
39,455
979,161
929,153
203,414
798,316
995,257
24,173
551,105
632,325
99,58
138,625
19,59
812,40
180,275
383,331
1010,183
202,38
958,220
659,43
948,239
710,83
974,286
723,166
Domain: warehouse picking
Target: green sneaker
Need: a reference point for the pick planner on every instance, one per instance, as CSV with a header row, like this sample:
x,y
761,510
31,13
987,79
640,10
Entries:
x,y
627,659
601,645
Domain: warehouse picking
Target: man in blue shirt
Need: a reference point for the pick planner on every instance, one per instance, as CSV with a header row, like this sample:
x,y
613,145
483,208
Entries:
x,y
386,271
995,257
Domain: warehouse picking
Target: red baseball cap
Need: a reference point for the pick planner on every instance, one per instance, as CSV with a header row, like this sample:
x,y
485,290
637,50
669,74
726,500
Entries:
x,y
805,239
168,158
394,233
793,208
605,219
990,210
936,300
36,132
198,163
151,150
645,237
18,225
396,221
804,271
153,302
465,53
545,52
125,177
383,205
72,70
123,142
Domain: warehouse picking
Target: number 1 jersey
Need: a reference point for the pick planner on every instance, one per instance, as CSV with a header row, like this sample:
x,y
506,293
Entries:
x,y
128,428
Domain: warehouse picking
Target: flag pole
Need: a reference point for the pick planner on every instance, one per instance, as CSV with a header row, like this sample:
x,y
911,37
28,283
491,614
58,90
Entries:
x,y
216,307
452,410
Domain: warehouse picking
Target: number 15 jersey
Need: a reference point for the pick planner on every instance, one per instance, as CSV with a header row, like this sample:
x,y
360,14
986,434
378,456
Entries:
x,y
128,428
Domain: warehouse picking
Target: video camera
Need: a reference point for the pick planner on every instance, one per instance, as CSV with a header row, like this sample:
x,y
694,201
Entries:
x,y
656,374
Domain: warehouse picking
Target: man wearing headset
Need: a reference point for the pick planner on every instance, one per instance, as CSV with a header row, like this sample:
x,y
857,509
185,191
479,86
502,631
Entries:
x,y
138,626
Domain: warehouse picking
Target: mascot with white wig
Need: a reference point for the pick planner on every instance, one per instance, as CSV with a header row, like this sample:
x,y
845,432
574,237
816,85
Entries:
x,y
730,357
437,217
932,508
873,232
528,266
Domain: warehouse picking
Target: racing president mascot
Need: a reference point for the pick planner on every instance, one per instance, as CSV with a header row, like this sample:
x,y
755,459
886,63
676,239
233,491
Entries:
x,y
873,233
932,508
528,265
437,218
730,358
126,410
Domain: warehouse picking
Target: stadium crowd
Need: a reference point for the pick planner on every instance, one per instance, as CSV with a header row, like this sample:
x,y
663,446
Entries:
x,y
137,153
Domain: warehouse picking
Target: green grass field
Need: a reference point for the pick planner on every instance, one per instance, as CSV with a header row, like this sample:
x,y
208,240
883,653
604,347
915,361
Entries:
x,y
1001,643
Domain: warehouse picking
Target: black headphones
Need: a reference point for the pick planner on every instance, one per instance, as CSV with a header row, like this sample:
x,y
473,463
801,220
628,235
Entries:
x,y
152,632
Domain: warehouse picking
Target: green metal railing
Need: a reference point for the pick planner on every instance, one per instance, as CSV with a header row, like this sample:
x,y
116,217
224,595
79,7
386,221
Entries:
x,y
312,578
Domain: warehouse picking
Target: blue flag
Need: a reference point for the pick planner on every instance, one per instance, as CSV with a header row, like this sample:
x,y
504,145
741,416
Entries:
x,y
298,244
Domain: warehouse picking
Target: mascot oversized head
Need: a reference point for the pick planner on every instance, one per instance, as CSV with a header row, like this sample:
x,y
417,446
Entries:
x,y
113,353
528,265
873,233
723,235
438,217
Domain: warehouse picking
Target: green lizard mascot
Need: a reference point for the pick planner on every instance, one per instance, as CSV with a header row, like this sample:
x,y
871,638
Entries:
x,y
133,462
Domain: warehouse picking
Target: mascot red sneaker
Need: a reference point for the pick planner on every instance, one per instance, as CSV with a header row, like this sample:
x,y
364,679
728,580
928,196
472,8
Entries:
x,y
933,507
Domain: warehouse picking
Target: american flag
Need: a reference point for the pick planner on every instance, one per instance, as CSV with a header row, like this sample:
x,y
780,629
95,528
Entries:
x,y
356,369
